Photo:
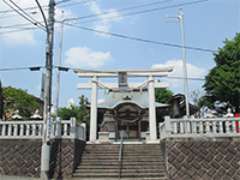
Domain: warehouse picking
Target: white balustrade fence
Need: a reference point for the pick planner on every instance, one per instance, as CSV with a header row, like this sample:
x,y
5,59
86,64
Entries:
x,y
34,129
212,127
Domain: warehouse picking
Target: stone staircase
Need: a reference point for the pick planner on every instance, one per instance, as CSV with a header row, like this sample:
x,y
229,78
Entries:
x,y
140,161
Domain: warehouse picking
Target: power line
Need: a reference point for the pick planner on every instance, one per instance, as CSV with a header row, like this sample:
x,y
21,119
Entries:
x,y
35,22
123,36
77,3
130,8
120,10
104,13
46,6
136,12
24,14
62,1
64,68
15,26
18,30
28,8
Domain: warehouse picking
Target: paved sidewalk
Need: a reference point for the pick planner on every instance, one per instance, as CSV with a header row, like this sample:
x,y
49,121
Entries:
x,y
16,178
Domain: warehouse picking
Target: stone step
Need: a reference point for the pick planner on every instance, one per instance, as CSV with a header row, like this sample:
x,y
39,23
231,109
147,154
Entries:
x,y
123,158
122,178
129,170
124,163
140,161
133,174
117,148
105,153
126,166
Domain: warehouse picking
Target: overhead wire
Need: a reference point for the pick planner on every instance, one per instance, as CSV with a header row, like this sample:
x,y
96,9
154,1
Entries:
x,y
135,12
64,68
77,3
24,14
18,30
62,1
45,6
123,36
131,8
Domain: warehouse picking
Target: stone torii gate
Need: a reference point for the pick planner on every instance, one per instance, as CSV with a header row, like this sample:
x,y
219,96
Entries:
x,y
150,83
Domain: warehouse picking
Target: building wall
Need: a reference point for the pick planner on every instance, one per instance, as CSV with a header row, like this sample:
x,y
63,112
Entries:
x,y
202,159
23,157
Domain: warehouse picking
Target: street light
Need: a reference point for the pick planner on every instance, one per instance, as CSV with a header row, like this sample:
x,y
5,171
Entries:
x,y
180,19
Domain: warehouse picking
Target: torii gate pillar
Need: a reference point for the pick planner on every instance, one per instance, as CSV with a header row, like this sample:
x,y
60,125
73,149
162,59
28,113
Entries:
x,y
152,110
93,111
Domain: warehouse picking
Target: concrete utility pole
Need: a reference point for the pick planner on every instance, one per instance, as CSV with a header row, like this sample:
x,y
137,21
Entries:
x,y
45,157
59,56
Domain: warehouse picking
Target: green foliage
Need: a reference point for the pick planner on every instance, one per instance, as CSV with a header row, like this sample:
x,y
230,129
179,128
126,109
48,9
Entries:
x,y
163,95
18,99
223,81
205,101
80,111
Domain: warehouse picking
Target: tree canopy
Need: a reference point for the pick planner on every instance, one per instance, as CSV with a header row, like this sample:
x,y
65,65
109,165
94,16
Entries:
x,y
163,95
18,99
223,81
79,111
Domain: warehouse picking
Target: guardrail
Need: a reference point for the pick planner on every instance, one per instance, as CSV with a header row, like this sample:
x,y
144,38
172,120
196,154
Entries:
x,y
210,127
34,129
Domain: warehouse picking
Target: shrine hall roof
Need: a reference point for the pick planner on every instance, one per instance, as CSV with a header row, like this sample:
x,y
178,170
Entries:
x,y
112,99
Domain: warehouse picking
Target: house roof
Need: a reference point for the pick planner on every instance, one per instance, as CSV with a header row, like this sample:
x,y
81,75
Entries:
x,y
112,99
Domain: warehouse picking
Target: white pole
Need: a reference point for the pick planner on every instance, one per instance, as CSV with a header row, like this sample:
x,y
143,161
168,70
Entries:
x,y
185,74
152,110
93,111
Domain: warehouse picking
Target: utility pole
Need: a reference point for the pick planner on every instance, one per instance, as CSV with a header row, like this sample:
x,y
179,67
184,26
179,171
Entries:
x,y
184,59
180,19
59,56
45,156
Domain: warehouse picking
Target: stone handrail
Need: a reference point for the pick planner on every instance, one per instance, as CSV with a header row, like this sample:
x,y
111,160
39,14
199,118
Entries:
x,y
202,127
34,129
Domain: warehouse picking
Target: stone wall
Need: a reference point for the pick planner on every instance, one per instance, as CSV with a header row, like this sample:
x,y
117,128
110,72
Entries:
x,y
23,157
202,159
65,157
20,157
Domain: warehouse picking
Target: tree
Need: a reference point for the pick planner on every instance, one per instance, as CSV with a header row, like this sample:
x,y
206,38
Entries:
x,y
163,95
18,99
223,81
80,112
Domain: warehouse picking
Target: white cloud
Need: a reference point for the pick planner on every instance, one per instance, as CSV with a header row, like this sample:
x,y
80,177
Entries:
x,y
193,71
85,57
106,17
23,37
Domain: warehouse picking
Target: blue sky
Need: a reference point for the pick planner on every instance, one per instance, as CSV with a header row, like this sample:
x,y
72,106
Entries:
x,y
207,25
